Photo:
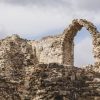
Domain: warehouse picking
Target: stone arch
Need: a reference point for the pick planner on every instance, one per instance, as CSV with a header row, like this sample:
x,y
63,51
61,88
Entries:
x,y
70,33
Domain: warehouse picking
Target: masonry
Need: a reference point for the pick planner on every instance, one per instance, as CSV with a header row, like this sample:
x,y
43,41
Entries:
x,y
44,69
60,49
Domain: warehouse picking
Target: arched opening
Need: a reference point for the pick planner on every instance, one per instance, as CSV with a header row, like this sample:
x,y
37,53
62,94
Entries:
x,y
83,48
69,35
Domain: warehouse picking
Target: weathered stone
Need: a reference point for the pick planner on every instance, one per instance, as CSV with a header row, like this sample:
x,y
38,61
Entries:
x,y
43,70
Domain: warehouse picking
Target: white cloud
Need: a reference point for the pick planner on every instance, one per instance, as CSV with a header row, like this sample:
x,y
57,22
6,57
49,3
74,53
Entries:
x,y
53,3
39,17
87,5
83,52
30,20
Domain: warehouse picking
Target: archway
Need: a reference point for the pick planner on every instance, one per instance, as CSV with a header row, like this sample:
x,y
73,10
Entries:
x,y
83,49
70,33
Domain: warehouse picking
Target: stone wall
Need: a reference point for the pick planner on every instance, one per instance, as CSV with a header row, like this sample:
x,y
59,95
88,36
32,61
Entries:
x,y
49,50
61,82
52,82
15,55
60,49
69,34
43,70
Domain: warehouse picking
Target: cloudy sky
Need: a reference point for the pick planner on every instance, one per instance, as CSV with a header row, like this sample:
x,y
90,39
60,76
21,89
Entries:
x,y
33,19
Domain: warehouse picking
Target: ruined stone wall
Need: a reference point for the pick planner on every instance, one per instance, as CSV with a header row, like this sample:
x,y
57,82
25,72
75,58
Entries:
x,y
69,35
49,50
96,50
60,49
23,76
15,55
61,82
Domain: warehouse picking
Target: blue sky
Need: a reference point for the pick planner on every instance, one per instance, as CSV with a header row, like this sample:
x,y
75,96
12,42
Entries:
x,y
34,19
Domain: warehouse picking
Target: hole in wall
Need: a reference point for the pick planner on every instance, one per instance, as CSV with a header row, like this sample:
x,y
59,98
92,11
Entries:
x,y
58,97
83,54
